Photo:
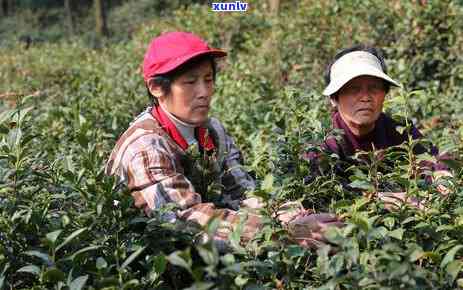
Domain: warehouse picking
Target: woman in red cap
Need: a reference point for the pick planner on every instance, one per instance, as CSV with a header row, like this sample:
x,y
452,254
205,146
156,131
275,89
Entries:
x,y
153,156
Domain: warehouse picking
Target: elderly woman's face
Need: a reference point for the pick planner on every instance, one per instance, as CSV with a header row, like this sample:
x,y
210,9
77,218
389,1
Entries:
x,y
360,102
191,94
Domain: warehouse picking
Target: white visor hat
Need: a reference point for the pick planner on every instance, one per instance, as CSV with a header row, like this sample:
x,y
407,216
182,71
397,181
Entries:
x,y
352,65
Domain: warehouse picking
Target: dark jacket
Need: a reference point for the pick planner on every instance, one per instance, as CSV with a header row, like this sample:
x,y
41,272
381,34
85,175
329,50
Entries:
x,y
387,133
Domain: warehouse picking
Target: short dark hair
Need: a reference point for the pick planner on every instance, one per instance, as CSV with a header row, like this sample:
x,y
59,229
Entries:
x,y
359,47
165,80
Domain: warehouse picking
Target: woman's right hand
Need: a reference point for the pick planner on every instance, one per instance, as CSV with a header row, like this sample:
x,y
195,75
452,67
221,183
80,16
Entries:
x,y
308,229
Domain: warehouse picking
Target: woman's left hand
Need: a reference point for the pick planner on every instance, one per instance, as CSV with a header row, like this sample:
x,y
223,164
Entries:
x,y
396,199
442,189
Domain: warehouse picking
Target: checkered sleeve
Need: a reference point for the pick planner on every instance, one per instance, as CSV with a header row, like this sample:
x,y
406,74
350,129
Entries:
x,y
229,220
235,178
154,182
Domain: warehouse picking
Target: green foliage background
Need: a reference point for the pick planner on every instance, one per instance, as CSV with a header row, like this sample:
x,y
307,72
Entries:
x,y
66,99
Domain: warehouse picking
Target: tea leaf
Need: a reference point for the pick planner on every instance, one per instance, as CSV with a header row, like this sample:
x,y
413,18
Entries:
x,y
132,257
69,238
453,268
181,259
53,236
32,269
78,283
44,257
450,256
397,234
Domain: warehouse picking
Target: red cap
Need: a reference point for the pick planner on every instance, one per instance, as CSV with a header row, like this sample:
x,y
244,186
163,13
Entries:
x,y
170,50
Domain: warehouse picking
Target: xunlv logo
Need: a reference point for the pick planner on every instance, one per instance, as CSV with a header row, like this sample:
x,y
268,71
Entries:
x,y
230,6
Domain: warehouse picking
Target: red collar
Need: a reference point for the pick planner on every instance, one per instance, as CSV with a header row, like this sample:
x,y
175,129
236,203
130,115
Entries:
x,y
202,134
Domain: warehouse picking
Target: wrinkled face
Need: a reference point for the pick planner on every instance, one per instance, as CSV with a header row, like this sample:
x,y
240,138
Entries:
x,y
191,94
360,101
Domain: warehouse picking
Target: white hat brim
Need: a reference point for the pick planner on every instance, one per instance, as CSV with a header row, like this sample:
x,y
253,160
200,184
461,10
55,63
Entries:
x,y
337,84
354,65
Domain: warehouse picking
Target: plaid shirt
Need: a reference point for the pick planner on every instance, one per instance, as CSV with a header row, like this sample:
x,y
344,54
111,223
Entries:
x,y
153,167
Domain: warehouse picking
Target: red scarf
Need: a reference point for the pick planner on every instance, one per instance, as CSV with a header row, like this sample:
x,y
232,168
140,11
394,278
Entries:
x,y
204,139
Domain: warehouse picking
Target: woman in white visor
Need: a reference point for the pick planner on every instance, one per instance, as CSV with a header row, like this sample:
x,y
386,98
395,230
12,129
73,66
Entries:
x,y
357,84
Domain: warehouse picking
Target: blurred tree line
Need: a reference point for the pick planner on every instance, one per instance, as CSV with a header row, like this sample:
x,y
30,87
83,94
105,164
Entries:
x,y
71,10
74,11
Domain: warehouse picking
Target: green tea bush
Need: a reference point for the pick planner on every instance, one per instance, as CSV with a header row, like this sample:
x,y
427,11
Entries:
x,y
65,225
